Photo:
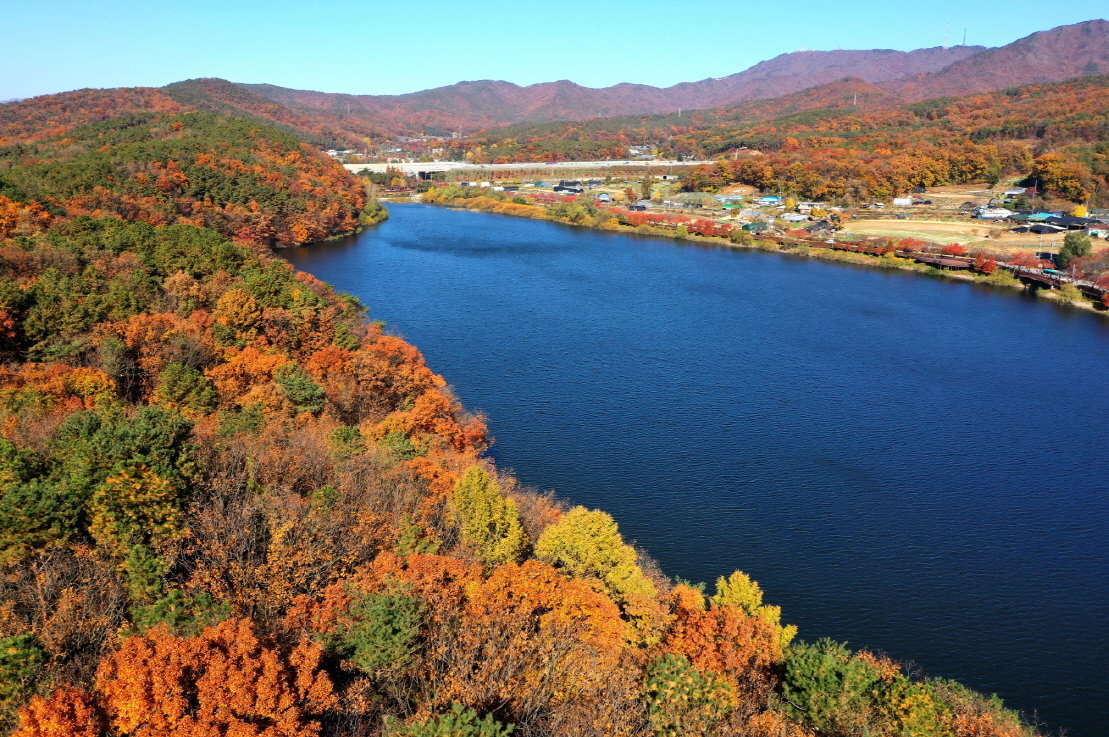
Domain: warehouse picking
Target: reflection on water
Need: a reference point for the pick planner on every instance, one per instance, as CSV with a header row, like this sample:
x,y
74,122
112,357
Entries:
x,y
909,464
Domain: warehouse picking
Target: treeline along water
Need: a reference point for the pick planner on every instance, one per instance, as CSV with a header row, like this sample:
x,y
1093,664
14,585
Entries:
x,y
912,465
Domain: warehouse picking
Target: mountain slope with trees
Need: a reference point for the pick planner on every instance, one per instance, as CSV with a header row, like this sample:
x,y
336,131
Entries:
x,y
232,505
162,165
1053,55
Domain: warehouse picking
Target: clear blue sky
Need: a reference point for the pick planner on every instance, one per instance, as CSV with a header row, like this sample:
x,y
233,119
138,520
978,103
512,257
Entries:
x,y
390,47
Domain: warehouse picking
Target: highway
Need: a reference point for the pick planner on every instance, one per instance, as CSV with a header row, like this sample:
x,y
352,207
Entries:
x,y
427,167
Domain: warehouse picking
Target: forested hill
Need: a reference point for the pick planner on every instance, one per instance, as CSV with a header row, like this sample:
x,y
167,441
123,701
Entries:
x,y
231,505
139,155
50,115
1047,56
851,134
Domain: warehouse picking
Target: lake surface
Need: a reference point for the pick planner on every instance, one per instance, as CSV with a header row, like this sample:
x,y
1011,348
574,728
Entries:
x,y
908,464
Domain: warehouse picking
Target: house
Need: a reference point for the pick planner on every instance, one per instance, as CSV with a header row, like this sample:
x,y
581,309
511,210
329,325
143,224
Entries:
x,y
794,217
1097,214
919,190
769,200
902,201
604,197
992,213
637,208
821,227
1098,231
756,228
1016,191
967,206
1044,229
1070,222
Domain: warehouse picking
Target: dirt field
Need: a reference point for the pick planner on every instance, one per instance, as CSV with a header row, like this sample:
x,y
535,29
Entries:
x,y
976,235
927,230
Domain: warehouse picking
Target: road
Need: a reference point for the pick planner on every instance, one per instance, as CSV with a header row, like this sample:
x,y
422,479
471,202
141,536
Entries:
x,y
436,166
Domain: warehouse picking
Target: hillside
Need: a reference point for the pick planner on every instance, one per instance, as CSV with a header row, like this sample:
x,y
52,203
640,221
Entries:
x,y
231,505
853,136
1048,56
489,103
609,137
147,159
223,97
800,70
1062,53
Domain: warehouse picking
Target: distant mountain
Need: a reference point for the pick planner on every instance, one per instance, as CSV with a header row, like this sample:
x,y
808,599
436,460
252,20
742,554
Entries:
x,y
1062,53
328,120
801,70
1056,55
490,103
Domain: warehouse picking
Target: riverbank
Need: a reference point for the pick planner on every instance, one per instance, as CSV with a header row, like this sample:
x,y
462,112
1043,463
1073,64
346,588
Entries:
x,y
610,220
839,424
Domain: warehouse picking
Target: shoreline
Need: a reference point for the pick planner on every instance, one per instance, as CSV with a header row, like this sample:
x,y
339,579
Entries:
x,y
779,245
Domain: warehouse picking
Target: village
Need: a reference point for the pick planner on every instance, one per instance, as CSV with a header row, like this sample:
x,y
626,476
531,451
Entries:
x,y
1003,220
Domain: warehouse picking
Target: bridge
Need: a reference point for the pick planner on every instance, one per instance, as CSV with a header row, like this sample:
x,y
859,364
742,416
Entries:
x,y
425,168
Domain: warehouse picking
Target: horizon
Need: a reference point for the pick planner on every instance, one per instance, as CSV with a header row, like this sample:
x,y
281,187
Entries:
x,y
155,44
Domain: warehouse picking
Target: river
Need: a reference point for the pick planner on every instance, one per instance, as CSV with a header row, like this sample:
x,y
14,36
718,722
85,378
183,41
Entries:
x,y
909,464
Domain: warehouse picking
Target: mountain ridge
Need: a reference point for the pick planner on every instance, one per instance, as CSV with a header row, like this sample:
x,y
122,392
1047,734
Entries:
x,y
492,103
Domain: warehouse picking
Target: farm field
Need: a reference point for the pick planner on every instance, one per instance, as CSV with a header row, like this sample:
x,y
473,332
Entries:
x,y
979,234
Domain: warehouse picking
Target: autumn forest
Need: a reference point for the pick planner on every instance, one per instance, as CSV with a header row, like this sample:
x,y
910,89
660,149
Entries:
x,y
233,504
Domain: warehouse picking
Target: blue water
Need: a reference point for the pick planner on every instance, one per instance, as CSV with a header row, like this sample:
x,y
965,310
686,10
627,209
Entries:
x,y
912,465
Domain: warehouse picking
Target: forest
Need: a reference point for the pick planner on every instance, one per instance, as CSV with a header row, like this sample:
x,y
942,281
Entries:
x,y
233,504
248,182
850,140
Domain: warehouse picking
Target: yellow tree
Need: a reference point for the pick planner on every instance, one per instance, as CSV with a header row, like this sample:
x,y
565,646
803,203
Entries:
x,y
739,591
587,543
490,522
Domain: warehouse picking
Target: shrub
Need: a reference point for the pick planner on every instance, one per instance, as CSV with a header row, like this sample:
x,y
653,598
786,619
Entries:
x,y
1071,294
305,394
683,702
21,658
741,237
135,506
1001,278
379,631
460,721
827,688
183,615
182,386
